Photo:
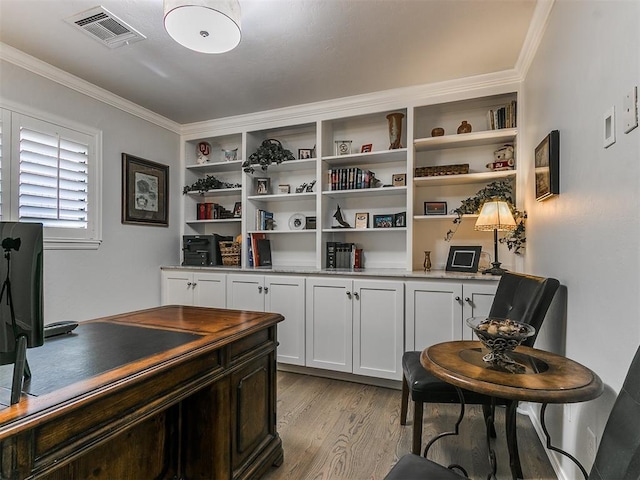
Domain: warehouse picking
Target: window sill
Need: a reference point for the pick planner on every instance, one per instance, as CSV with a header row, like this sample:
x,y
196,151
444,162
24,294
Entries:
x,y
70,244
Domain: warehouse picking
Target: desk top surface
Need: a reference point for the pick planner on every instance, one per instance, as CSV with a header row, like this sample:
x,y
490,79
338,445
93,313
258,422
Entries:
x,y
545,377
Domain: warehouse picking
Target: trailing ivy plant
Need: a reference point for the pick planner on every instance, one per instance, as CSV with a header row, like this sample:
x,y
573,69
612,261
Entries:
x,y
203,185
270,151
501,190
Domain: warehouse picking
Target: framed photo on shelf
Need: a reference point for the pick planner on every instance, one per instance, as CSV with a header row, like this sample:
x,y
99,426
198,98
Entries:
x,y
305,153
547,159
400,219
237,210
284,188
399,179
383,221
362,220
263,186
343,147
435,208
463,259
145,196
366,148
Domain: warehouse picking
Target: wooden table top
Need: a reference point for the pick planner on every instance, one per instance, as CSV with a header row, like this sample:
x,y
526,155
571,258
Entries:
x,y
547,377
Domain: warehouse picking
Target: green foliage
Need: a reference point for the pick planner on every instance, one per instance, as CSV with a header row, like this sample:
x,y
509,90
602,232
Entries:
x,y
502,190
270,151
210,182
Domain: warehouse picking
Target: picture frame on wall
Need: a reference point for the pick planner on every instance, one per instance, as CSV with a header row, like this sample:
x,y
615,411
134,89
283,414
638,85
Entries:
x,y
145,192
463,259
547,166
435,208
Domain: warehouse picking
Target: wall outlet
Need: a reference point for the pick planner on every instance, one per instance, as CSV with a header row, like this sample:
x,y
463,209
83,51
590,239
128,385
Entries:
x,y
609,130
592,444
630,110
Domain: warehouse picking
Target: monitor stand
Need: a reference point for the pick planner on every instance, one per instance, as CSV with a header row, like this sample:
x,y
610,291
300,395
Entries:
x,y
21,369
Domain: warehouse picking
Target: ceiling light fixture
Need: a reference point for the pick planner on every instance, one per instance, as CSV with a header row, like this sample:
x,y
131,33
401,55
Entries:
x,y
206,26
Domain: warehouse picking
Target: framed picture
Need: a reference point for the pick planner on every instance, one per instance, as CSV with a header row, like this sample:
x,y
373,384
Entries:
x,y
343,147
284,189
237,210
383,221
400,219
366,148
263,186
145,192
463,259
362,220
435,208
399,179
547,158
304,153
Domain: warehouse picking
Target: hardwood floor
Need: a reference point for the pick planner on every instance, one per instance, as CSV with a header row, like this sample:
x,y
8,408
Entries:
x,y
340,430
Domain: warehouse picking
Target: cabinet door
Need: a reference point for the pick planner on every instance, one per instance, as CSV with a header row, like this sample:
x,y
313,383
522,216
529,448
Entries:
x,y
209,289
378,320
245,292
477,303
285,295
329,324
177,288
433,313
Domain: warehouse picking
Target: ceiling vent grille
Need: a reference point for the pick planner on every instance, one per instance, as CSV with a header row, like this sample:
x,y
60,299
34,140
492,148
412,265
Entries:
x,y
105,27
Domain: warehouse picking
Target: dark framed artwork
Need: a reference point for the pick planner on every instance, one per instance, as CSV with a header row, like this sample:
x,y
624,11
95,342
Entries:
x,y
304,153
383,221
237,210
463,259
547,162
145,192
435,208
400,219
263,186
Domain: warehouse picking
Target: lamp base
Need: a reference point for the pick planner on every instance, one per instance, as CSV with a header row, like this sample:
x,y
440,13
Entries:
x,y
495,270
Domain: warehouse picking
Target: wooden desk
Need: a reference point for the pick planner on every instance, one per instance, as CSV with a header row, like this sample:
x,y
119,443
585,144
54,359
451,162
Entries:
x,y
170,392
547,378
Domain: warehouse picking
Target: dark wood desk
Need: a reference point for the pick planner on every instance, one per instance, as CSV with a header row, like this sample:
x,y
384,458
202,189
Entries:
x,y
546,378
169,392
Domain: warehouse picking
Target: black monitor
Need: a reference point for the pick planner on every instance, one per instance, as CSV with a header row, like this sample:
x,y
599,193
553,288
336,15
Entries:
x,y
21,297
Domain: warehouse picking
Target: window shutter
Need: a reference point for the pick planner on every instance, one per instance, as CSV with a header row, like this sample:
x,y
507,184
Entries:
x,y
2,142
53,179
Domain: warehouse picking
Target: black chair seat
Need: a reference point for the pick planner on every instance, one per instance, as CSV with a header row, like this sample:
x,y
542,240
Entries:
x,y
415,467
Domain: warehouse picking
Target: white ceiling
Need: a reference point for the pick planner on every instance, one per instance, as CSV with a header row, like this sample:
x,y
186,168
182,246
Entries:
x,y
292,51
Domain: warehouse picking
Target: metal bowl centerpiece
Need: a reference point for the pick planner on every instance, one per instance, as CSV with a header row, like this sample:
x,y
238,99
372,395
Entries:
x,y
500,336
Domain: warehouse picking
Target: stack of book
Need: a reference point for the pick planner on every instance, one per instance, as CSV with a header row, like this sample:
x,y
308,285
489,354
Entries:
x,y
343,255
502,117
264,220
259,250
212,211
350,178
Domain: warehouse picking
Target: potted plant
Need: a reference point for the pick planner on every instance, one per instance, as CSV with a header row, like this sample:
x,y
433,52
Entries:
x,y
203,185
270,151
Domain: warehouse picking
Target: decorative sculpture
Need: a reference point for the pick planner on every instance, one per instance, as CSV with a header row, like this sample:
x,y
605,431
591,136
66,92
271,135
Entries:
x,y
340,220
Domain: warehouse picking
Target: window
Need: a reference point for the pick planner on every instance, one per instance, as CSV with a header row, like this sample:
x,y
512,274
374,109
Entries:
x,y
54,173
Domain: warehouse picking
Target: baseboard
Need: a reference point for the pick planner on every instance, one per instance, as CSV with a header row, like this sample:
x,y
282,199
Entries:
x,y
346,377
535,421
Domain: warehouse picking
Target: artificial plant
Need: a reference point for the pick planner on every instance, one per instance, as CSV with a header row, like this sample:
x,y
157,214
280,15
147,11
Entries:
x,y
270,151
203,185
501,190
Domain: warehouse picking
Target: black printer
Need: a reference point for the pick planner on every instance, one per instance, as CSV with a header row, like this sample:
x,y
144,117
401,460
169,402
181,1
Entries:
x,y
202,250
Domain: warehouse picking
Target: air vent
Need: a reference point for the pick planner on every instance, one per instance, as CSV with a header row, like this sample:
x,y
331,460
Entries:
x,y
105,27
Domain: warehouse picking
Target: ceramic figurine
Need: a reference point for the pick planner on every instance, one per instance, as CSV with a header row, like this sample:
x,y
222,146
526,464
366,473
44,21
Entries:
x,y
204,150
464,127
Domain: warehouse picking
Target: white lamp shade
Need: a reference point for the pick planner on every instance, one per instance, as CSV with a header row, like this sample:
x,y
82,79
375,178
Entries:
x,y
495,215
206,26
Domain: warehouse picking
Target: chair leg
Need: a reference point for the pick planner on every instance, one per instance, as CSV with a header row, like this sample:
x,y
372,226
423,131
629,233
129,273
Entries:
x,y
405,401
417,428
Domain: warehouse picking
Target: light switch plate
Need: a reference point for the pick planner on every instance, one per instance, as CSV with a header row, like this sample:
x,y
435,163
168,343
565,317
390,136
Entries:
x,y
609,127
630,110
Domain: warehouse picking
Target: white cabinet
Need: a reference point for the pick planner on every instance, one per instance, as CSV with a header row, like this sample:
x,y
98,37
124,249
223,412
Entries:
x,y
274,293
436,310
355,326
202,289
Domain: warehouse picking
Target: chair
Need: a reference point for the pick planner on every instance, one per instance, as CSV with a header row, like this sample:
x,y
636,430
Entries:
x,y
520,297
618,456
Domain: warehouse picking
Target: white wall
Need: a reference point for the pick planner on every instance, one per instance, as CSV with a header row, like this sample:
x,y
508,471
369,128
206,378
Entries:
x,y
124,273
588,236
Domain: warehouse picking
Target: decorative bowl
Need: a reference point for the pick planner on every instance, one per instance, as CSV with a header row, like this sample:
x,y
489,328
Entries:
x,y
499,336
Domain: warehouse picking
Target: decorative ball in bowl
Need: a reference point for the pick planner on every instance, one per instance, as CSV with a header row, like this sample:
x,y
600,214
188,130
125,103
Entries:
x,y
499,336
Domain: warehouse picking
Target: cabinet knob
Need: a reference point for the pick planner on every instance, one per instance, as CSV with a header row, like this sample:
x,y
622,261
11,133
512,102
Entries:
x,y
467,299
348,294
357,295
194,284
259,289
266,289
189,284
457,299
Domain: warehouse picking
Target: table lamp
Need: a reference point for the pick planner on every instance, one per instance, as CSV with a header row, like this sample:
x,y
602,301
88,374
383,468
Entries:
x,y
495,215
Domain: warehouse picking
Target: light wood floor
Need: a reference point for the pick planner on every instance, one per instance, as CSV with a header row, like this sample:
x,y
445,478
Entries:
x,y
340,430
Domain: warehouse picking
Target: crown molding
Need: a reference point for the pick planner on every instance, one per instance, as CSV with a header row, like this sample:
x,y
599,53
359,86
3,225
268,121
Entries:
x,y
34,65
534,36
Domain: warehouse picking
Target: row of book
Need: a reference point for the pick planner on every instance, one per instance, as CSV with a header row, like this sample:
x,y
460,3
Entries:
x,y
259,250
502,117
350,178
343,255
264,220
212,211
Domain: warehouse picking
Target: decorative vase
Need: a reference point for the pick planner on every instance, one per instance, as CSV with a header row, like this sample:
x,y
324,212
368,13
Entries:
x,y
427,261
464,127
437,132
395,130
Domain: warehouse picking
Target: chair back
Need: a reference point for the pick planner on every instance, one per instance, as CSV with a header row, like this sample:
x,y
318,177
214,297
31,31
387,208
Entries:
x,y
524,298
618,456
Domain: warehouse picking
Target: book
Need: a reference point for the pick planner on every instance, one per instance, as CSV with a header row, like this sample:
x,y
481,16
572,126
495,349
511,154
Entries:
x,y
330,259
264,252
254,247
